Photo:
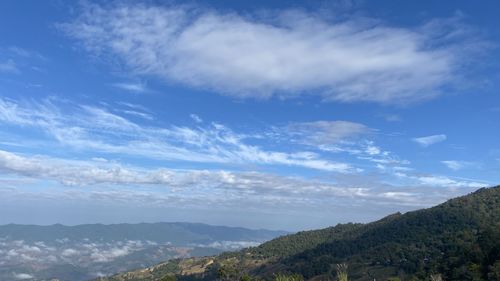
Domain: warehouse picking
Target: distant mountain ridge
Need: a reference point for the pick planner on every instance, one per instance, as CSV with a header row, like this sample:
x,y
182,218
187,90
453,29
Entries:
x,y
456,240
178,233
84,252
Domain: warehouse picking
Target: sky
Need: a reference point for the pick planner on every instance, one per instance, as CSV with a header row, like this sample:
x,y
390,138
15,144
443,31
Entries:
x,y
285,115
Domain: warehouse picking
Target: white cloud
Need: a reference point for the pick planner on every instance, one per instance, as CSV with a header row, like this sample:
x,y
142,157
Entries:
x,y
338,137
69,252
133,106
430,140
23,276
398,195
71,172
367,150
196,118
324,133
230,245
457,165
392,117
447,182
285,54
403,169
131,87
111,254
138,114
22,53
9,66
201,188
83,173
85,253
135,110
96,129
373,150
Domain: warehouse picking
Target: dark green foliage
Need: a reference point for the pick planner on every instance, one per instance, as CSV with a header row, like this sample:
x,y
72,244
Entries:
x,y
295,243
457,240
246,277
169,278
291,277
227,273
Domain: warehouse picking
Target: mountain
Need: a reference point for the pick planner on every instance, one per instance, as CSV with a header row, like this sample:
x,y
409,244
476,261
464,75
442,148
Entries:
x,y
456,240
83,252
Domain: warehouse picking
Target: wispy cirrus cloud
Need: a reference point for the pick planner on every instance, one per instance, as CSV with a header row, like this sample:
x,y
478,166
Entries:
x,y
458,165
196,118
199,187
15,60
448,182
430,140
138,114
286,54
107,134
325,133
72,172
134,110
9,66
131,87
391,117
340,137
97,129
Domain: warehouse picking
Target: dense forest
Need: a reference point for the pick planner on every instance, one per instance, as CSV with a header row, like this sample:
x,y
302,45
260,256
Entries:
x,y
456,240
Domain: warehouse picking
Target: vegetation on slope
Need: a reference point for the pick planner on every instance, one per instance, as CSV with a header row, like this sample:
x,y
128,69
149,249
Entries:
x,y
457,240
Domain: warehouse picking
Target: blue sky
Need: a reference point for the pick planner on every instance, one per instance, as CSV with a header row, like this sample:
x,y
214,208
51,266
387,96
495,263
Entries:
x,y
288,115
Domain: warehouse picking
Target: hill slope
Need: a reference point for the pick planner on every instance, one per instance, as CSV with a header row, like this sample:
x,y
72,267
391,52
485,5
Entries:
x,y
459,239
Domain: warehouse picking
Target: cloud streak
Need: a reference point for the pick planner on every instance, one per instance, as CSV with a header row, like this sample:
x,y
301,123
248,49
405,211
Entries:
x,y
23,276
430,140
9,66
131,87
74,172
324,133
222,188
287,54
457,165
448,182
97,129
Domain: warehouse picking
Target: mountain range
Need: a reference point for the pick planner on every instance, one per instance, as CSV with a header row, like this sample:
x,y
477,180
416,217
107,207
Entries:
x,y
82,252
456,240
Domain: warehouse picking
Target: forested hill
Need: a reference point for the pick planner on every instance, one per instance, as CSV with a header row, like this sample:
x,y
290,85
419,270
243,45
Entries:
x,y
458,240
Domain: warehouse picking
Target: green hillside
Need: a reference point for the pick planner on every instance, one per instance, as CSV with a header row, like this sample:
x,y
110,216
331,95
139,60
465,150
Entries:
x,y
456,240
459,239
